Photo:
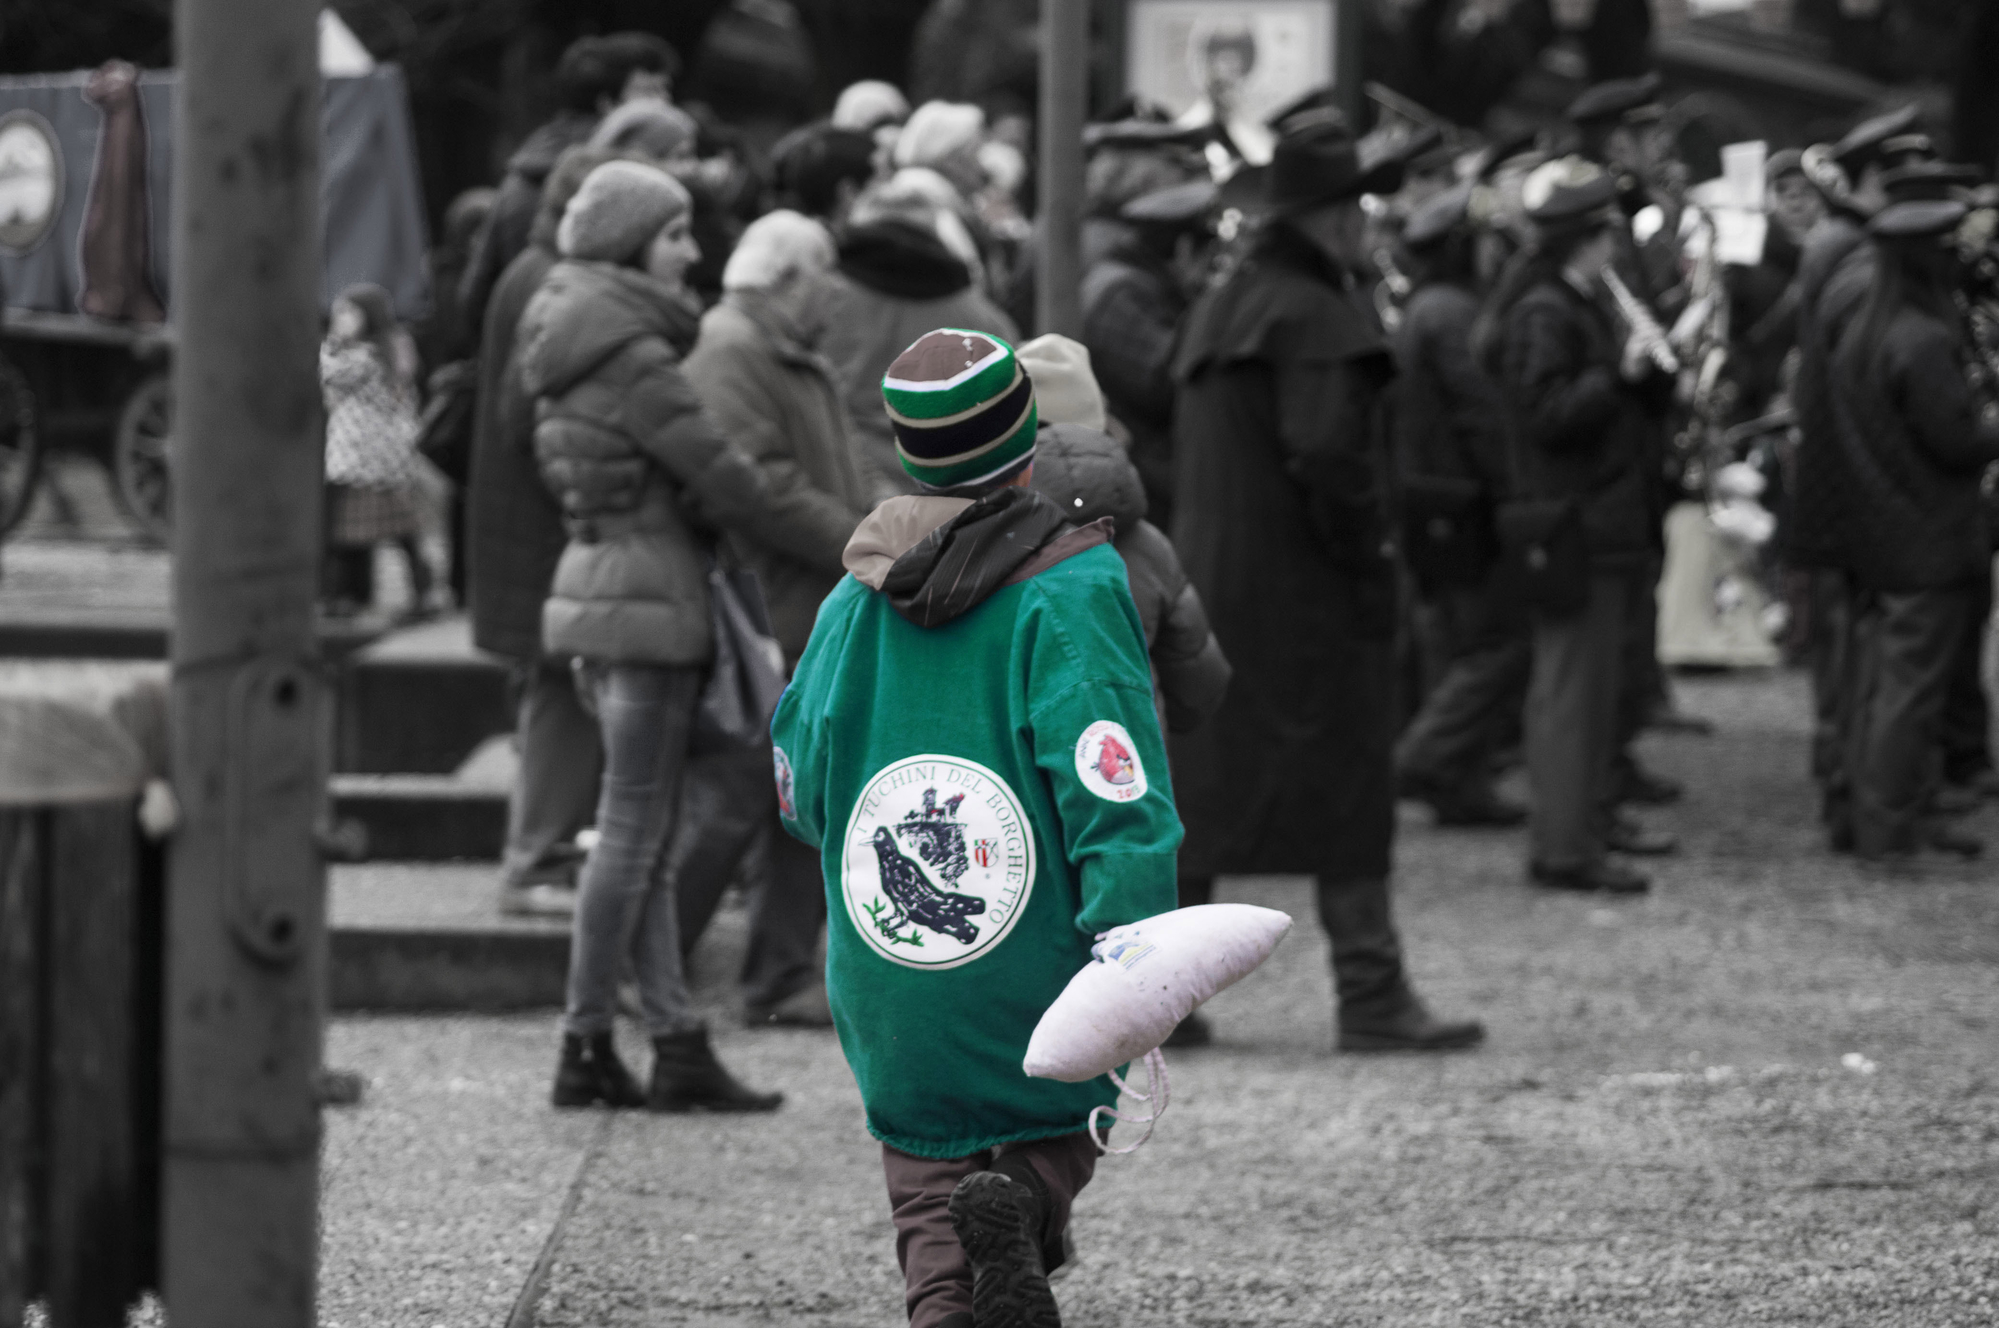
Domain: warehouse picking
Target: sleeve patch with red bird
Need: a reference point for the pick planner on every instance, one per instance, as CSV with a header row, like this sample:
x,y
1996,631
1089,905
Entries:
x,y
1107,762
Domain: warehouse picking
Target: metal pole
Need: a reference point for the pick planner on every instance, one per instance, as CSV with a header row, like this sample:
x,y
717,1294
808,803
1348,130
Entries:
x,y
1065,68
246,913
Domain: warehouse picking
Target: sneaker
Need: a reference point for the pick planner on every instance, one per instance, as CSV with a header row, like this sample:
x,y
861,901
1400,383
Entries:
x,y
1628,836
544,900
990,1213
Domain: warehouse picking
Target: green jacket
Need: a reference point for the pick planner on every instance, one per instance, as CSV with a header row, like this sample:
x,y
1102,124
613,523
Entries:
x,y
988,794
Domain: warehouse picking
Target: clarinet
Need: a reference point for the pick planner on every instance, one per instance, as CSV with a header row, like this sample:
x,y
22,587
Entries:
x,y
1642,322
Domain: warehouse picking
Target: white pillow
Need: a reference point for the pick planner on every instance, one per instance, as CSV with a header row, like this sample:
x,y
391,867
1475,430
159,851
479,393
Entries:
x,y
1144,979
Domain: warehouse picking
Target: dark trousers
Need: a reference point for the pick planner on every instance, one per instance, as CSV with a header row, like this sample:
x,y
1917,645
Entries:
x,y
729,815
936,1274
1641,679
1906,644
1967,713
561,762
1368,976
1476,695
1572,712
1829,654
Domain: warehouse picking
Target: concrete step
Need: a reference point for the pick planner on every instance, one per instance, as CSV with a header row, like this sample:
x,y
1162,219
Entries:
x,y
419,700
424,818
431,937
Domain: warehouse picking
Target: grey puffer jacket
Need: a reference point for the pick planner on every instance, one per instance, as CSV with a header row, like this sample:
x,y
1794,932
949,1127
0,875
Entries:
x,y
643,474
1087,475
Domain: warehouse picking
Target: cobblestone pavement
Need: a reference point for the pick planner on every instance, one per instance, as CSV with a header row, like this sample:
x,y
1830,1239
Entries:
x,y
1764,1095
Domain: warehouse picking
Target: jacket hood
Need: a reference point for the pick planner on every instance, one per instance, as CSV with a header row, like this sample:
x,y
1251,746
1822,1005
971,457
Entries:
x,y
585,312
901,259
1087,475
937,558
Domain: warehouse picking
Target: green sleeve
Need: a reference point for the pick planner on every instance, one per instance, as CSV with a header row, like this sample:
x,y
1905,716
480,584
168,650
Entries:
x,y
799,750
1096,739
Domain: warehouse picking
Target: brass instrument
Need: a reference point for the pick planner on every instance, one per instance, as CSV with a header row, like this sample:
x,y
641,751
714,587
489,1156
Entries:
x,y
1651,336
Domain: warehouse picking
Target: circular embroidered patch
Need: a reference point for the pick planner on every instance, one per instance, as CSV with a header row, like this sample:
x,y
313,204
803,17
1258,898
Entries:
x,y
938,862
1107,762
787,807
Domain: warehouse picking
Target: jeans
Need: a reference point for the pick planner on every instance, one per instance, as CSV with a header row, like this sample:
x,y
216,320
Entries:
x,y
624,903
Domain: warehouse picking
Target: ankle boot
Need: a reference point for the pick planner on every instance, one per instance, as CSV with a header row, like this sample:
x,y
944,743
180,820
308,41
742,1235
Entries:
x,y
590,1072
687,1077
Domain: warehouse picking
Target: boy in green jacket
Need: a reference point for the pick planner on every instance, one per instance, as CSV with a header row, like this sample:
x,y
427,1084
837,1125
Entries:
x,y
970,742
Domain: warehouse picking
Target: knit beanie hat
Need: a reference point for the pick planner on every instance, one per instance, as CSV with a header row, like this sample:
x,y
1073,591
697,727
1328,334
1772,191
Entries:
x,y
962,409
1065,390
619,209
657,128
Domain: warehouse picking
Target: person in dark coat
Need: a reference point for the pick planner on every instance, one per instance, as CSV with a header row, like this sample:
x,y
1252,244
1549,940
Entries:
x,y
594,75
1451,452
514,535
1905,420
1283,527
1581,396
1087,474
1133,299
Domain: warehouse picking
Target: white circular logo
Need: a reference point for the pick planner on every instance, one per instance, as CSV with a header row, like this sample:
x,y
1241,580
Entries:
x,y
938,862
1107,762
30,180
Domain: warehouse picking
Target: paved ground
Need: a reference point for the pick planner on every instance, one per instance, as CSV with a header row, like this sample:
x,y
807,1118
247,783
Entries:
x,y
1765,1095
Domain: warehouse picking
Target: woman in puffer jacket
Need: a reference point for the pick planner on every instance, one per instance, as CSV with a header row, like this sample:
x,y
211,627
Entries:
x,y
645,481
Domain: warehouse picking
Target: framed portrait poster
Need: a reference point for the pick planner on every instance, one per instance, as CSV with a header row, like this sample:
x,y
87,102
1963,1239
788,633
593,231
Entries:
x,y
1233,61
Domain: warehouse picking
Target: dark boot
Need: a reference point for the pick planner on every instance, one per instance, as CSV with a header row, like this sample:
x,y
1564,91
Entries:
x,y
590,1072
1378,1011
994,1217
687,1077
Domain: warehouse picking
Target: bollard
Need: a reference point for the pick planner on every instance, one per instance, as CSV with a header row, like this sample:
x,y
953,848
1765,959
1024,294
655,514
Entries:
x,y
246,912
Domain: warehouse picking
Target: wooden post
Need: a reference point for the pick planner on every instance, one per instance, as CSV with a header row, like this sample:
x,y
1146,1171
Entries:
x,y
22,942
1065,73
246,930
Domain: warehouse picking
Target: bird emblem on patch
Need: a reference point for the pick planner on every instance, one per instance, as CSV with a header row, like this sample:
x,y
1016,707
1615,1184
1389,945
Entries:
x,y
938,862
1107,762
787,805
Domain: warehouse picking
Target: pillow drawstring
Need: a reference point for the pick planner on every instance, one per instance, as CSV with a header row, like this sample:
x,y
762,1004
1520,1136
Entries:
x,y
1162,1087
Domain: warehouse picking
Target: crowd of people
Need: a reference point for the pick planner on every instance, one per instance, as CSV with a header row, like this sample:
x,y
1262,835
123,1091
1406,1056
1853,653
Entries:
x,y
1383,429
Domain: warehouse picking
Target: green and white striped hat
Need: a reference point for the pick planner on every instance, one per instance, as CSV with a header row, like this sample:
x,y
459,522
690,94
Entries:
x,y
962,409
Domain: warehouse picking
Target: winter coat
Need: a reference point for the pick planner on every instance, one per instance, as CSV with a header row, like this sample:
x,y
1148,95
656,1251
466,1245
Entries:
x,y
987,792
1087,475
1581,431
1815,525
370,419
1905,424
780,404
513,525
1450,420
1131,315
897,281
511,221
1282,524
642,472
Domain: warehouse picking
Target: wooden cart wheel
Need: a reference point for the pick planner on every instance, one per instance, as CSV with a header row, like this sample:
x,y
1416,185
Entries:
x,y
20,445
143,453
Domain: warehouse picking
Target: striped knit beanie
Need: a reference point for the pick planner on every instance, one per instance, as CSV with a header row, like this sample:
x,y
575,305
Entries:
x,y
962,409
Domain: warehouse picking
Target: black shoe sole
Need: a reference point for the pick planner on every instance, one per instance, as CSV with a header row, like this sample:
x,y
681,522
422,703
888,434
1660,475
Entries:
x,y
717,1106
1009,1288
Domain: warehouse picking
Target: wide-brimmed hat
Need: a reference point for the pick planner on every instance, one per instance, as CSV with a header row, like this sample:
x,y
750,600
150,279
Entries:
x,y
1864,140
1615,99
1317,163
1927,220
1921,180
